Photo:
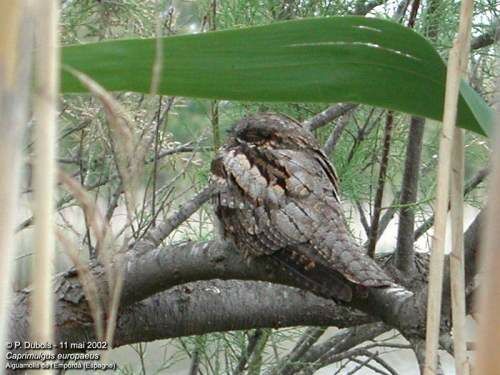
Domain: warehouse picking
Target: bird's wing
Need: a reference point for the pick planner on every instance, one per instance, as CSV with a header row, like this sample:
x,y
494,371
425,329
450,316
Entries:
x,y
312,217
329,170
244,201
287,205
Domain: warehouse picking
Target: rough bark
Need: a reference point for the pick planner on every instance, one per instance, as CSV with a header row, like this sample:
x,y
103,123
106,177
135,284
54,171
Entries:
x,y
164,296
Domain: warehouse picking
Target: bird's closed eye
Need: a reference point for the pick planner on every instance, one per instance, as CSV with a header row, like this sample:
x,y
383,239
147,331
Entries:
x,y
254,135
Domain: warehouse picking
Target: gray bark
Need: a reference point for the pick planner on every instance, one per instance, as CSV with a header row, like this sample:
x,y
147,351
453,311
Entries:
x,y
165,295
404,248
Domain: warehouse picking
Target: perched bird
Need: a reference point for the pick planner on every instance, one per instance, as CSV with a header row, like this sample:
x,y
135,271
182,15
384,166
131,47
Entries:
x,y
279,198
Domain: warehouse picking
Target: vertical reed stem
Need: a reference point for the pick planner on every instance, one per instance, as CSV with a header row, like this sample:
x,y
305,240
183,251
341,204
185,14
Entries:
x,y
457,65
15,66
47,84
489,295
457,263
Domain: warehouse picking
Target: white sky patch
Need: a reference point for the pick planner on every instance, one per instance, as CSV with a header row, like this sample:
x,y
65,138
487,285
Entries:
x,y
193,27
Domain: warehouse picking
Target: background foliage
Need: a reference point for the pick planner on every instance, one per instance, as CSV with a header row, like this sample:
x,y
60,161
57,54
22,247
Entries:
x,y
179,135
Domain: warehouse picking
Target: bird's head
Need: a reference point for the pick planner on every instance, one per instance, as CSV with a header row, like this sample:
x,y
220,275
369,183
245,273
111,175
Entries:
x,y
266,127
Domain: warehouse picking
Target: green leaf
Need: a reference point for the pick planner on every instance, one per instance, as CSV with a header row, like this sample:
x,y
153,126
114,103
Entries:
x,y
338,59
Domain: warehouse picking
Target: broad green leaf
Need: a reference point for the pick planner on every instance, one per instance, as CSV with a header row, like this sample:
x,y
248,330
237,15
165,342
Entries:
x,y
338,59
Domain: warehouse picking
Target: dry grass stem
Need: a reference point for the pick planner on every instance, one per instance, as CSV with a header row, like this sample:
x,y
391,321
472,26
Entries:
x,y
456,67
128,162
94,218
15,66
489,295
45,111
116,288
88,285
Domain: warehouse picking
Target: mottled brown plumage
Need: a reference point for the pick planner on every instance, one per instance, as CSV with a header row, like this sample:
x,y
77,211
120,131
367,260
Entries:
x,y
279,198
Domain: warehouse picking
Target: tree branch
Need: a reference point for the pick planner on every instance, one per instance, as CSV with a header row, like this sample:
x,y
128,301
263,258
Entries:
x,y
288,364
486,39
160,300
156,235
334,137
197,308
471,185
247,352
328,115
362,8
404,249
373,234
341,341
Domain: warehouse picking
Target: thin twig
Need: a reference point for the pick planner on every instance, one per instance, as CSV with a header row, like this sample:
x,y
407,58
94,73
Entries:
x,y
159,233
367,365
113,204
340,342
287,364
363,218
61,203
471,185
154,177
363,132
255,364
87,237
381,183
181,149
248,351
195,362
347,355
386,218
362,363
328,115
159,121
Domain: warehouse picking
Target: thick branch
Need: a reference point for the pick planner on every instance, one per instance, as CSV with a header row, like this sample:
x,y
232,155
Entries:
x,y
215,305
192,308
